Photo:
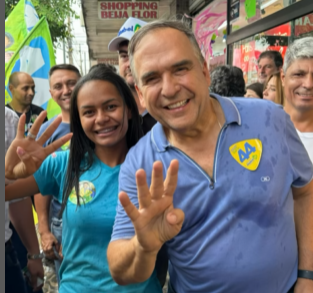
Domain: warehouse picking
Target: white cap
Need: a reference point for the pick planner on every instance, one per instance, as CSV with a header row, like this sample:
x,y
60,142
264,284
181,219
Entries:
x,y
130,26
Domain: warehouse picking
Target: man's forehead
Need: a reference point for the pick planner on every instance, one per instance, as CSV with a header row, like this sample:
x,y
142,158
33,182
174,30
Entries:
x,y
123,48
266,60
27,83
26,80
164,34
63,74
305,64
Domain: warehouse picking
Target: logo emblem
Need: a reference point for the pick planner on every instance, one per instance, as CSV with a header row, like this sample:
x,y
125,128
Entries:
x,y
137,27
247,153
265,179
87,192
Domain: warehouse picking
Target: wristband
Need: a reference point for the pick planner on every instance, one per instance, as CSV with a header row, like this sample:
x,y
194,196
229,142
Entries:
x,y
305,274
35,256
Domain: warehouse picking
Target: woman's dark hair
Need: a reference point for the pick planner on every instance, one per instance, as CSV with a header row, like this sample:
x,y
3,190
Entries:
x,y
103,66
81,147
228,81
257,87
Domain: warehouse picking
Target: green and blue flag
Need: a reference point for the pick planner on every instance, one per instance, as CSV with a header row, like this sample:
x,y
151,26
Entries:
x,y
35,56
17,26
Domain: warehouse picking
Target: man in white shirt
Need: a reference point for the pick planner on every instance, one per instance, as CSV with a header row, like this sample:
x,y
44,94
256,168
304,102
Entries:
x,y
297,79
20,213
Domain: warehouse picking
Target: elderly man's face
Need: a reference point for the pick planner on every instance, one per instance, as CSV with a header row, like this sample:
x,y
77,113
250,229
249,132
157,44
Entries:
x,y
171,82
298,85
266,67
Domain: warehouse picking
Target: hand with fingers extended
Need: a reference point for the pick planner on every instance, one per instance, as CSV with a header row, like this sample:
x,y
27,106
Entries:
x,y
26,154
156,221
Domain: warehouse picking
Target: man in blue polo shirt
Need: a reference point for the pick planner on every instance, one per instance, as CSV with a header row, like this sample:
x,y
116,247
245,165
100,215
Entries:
x,y
236,214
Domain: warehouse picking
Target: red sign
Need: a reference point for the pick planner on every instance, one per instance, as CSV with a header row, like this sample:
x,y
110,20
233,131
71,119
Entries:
x,y
304,25
247,56
119,9
281,49
282,30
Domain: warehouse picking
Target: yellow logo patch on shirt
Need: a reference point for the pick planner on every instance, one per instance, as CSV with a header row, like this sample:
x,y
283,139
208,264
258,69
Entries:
x,y
247,153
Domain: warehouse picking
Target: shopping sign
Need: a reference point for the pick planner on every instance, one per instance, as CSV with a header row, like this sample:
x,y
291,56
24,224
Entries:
x,y
125,9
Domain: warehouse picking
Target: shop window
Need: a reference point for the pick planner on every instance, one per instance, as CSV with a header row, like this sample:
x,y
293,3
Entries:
x,y
245,12
245,53
210,29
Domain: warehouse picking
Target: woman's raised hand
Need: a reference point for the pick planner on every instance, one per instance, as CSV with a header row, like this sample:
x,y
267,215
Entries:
x,y
156,221
26,154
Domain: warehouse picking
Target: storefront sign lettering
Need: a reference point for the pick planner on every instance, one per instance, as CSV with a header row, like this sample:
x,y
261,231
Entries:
x,y
119,10
304,25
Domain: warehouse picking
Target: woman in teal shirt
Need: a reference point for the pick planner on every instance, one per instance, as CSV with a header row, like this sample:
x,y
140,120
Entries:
x,y
105,124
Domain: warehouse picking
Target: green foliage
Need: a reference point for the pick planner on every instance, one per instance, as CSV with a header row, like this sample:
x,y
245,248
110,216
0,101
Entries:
x,y
56,12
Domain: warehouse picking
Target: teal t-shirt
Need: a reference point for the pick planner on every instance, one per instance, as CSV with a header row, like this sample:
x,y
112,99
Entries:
x,y
87,229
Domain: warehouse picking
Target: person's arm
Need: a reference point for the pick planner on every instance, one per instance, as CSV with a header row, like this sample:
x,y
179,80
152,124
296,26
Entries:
x,y
303,209
155,222
129,263
21,188
42,204
21,216
302,187
48,240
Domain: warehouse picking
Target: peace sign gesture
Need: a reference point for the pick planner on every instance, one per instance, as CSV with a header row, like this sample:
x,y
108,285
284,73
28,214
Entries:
x,y
156,221
26,154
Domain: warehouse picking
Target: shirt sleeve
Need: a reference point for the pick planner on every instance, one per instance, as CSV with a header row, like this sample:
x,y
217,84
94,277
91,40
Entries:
x,y
15,124
51,174
300,162
123,227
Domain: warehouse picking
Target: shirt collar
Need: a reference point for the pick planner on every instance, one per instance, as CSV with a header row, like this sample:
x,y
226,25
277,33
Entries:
x,y
231,114
144,113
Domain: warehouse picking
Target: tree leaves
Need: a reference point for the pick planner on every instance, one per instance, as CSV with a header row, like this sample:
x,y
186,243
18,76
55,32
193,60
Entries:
x,y
56,12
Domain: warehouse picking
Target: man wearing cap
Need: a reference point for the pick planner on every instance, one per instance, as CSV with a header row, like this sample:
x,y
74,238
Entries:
x,y
120,44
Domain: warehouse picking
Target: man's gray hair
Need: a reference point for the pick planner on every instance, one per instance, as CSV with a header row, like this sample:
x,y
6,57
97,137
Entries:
x,y
299,49
179,25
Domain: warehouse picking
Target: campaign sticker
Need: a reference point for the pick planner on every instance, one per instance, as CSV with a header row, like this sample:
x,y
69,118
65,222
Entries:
x,y
87,193
247,153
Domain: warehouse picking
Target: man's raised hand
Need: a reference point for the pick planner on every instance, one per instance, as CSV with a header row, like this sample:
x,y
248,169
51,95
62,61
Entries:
x,y
26,154
156,221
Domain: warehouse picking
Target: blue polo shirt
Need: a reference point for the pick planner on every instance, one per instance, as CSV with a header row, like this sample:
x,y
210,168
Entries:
x,y
239,232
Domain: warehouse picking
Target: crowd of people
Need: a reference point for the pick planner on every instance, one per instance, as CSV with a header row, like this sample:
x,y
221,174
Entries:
x,y
228,81
164,175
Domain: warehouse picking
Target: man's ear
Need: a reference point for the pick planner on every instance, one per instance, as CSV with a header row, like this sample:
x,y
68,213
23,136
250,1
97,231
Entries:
x,y
206,73
282,77
52,96
140,96
11,87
